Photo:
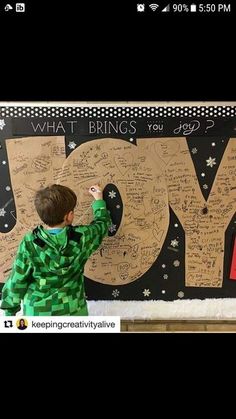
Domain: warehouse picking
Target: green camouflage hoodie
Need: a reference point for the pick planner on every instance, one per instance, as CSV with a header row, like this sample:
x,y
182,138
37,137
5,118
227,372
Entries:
x,y
47,273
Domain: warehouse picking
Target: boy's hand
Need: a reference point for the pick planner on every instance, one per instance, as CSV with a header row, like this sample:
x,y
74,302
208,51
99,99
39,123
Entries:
x,y
96,191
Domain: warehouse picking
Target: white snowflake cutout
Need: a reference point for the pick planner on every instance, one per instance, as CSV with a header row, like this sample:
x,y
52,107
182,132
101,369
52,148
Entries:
x,y
2,124
112,194
146,292
2,212
72,145
211,161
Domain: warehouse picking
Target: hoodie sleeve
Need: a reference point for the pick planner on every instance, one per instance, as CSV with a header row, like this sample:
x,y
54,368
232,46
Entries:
x,y
94,233
17,283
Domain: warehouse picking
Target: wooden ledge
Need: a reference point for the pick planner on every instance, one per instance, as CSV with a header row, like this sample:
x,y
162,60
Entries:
x,y
178,325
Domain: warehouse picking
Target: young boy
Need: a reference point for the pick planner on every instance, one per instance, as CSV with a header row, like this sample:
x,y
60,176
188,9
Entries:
x,y
48,270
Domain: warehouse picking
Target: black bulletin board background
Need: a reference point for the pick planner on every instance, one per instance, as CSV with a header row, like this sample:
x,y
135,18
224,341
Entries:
x,y
207,130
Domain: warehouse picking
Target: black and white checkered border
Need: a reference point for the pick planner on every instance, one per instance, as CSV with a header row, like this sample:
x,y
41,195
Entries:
x,y
117,112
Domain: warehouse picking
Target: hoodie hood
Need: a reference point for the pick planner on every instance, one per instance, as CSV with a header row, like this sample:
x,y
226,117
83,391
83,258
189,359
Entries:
x,y
54,250
57,241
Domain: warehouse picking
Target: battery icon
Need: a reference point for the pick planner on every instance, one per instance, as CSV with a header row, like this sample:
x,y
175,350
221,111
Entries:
x,y
193,8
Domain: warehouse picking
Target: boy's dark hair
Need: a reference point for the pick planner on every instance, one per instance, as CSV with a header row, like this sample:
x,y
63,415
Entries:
x,y
53,203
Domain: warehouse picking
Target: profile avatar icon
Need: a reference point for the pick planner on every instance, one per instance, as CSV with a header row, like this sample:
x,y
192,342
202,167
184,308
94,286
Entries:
x,y
22,324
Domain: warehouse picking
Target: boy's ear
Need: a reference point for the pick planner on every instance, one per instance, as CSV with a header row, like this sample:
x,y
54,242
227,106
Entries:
x,y
68,217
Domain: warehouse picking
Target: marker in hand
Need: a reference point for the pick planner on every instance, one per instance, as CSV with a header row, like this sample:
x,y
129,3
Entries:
x,y
95,190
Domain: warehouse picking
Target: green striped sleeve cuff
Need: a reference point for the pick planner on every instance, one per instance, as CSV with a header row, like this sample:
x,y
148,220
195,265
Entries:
x,y
98,204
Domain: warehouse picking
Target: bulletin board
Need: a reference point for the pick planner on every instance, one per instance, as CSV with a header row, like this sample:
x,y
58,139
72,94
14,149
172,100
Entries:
x,y
169,179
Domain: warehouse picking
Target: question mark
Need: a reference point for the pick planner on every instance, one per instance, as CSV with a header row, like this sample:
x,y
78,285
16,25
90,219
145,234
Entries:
x,y
211,125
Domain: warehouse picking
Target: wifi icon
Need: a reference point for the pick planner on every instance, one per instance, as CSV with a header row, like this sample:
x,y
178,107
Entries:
x,y
153,6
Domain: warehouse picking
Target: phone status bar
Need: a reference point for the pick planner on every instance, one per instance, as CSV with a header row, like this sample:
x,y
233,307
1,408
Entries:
x,y
183,8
